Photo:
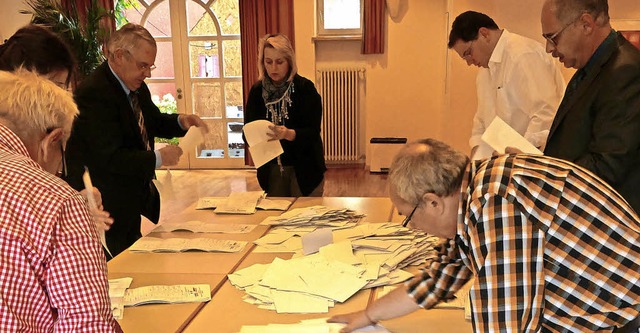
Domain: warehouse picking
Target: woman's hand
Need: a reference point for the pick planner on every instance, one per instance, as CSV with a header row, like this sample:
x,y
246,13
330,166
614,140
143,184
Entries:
x,y
281,133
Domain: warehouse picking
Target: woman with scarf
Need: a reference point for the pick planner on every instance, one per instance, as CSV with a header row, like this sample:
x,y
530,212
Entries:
x,y
292,103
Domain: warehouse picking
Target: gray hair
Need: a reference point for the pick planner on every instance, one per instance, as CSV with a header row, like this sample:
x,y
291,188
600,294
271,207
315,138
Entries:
x,y
426,166
568,10
31,104
128,37
282,44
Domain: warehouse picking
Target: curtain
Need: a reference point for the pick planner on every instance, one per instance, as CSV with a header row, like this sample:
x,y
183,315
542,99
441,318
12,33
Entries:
x,y
258,18
373,22
83,6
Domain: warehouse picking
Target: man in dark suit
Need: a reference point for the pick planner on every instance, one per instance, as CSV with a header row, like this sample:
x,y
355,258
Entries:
x,y
114,133
598,122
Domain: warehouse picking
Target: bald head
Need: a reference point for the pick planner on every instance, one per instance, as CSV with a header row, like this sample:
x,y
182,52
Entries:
x,y
426,166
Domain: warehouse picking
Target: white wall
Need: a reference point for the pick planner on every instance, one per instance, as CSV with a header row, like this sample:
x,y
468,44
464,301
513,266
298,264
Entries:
x,y
404,89
12,20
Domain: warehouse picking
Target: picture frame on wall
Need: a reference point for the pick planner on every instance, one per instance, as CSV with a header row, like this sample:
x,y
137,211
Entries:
x,y
629,28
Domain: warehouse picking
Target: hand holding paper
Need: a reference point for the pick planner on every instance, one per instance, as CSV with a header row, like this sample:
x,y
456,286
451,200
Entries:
x,y
96,210
499,135
257,135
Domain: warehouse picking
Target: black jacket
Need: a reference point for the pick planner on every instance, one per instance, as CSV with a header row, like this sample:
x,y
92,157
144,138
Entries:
x,y
598,125
305,153
106,138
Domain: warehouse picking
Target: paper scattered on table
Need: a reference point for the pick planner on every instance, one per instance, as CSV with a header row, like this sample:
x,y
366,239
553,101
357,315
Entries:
x,y
152,244
319,325
499,135
209,202
360,256
181,293
262,150
309,284
313,241
271,204
240,203
199,226
117,290
189,142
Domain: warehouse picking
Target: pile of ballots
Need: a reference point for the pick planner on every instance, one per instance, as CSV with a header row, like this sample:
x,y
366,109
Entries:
x,y
315,217
360,255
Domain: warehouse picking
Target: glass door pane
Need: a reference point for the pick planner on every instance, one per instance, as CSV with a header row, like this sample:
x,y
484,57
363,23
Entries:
x,y
212,33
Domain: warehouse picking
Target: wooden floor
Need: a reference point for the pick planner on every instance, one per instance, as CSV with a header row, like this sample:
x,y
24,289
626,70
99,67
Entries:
x,y
181,188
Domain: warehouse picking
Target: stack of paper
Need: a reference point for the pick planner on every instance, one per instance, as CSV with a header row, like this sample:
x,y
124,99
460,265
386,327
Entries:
x,y
199,226
181,293
308,326
289,228
309,284
264,203
315,216
152,244
385,248
117,290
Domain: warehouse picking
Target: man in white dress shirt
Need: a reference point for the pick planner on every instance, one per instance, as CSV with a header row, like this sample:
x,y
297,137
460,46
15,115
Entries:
x,y
518,81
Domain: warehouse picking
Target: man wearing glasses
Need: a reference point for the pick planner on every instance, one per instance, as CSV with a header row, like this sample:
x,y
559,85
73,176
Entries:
x,y
114,133
598,121
517,80
551,247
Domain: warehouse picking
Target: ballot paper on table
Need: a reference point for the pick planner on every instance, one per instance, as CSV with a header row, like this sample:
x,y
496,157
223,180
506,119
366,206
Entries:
x,y
204,227
117,290
209,202
262,150
194,137
181,293
271,204
152,244
499,135
240,203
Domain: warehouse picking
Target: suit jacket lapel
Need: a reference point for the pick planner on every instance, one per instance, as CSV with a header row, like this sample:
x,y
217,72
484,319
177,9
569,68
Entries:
x,y
124,105
570,98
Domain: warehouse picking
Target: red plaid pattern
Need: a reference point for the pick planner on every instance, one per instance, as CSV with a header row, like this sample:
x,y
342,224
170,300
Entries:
x,y
52,268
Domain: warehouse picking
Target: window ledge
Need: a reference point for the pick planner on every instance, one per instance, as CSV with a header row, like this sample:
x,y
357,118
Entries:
x,y
336,38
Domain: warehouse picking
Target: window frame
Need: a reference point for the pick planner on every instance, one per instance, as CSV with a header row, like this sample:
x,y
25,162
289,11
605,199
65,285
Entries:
x,y
322,32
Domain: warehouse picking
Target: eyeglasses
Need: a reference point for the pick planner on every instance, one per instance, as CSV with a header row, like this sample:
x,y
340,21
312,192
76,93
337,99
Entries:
x,y
62,173
408,218
553,38
142,66
469,50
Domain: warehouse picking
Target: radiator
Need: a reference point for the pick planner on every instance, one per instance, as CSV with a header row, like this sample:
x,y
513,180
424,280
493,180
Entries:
x,y
340,90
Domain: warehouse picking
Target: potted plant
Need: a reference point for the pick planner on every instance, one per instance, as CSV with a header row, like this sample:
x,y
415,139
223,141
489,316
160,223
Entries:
x,y
84,33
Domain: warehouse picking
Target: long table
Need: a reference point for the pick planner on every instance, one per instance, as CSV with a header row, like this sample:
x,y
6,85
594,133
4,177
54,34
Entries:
x,y
226,312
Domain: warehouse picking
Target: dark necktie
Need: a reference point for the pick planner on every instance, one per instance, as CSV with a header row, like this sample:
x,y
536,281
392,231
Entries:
x,y
137,111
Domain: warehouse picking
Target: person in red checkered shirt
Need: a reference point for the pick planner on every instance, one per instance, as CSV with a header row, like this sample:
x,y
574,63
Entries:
x,y
52,269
